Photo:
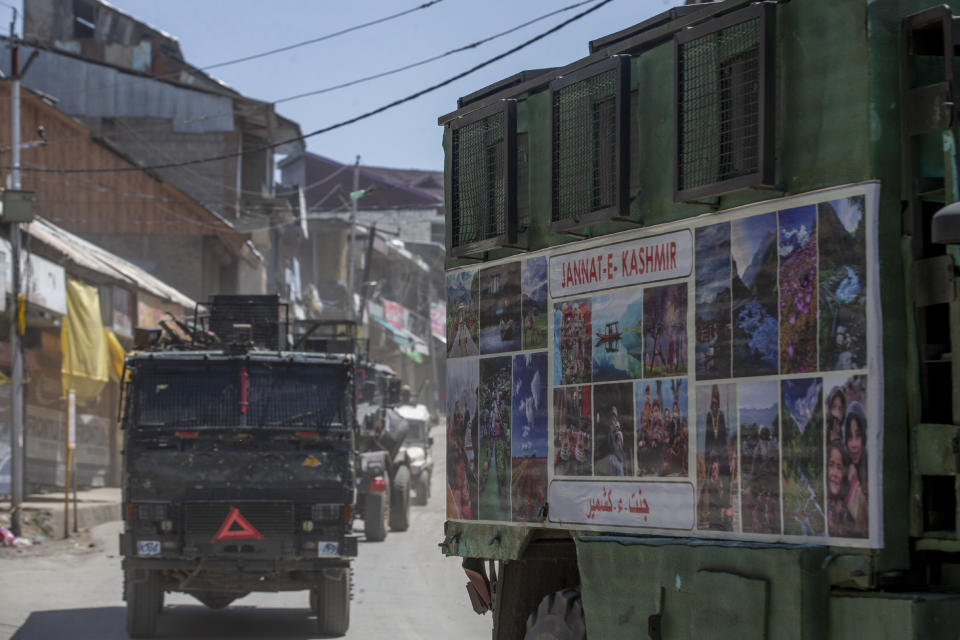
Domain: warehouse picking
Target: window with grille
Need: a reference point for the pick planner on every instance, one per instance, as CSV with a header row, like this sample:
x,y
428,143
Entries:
x,y
483,179
590,156
724,104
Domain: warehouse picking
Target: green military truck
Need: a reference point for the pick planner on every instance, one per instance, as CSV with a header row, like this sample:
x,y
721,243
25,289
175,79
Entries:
x,y
702,302
239,463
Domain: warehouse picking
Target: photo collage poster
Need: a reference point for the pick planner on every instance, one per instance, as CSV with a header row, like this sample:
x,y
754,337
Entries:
x,y
745,377
497,399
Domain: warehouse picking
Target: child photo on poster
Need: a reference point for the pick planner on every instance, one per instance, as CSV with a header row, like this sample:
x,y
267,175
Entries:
x,y
462,450
573,432
534,303
528,484
463,322
847,436
662,427
496,386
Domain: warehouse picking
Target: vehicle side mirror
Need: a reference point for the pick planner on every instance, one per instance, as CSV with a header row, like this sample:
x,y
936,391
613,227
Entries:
x,y
430,440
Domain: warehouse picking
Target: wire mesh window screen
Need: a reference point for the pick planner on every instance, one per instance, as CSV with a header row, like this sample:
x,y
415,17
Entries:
x,y
188,397
479,209
585,147
720,104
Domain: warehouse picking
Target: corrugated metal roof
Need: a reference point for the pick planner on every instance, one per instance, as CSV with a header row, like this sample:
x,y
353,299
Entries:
x,y
84,88
95,258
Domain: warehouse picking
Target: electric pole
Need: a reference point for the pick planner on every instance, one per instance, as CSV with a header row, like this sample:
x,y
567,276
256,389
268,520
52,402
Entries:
x,y
351,251
16,354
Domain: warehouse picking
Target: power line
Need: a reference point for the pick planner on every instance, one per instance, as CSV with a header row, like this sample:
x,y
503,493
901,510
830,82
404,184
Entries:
x,y
175,74
320,39
472,45
332,127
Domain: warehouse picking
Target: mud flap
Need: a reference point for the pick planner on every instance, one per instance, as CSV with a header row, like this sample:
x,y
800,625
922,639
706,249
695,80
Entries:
x,y
479,586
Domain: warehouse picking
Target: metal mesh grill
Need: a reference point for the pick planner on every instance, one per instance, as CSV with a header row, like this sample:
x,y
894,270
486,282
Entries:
x,y
585,146
188,398
262,313
479,189
719,105
206,518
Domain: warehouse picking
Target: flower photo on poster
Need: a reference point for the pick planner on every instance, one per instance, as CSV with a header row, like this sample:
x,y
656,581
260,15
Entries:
x,y
500,308
843,282
534,303
801,424
663,430
665,331
572,342
528,484
753,245
798,289
572,432
613,428
618,336
759,409
463,319
496,388
712,314
462,443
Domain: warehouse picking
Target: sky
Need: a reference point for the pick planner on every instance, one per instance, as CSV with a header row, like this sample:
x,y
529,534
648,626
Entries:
x,y
407,136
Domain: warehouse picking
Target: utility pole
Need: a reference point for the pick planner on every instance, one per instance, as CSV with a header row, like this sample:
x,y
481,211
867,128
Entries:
x,y
16,353
351,250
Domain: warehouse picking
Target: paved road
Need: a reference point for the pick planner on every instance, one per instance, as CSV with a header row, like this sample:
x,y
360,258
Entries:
x,y
404,590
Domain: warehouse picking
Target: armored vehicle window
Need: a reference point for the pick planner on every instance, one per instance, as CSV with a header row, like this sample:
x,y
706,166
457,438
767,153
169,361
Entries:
x,y
295,395
187,396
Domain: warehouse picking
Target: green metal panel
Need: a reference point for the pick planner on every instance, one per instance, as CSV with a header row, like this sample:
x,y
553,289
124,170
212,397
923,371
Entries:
x,y
627,580
902,616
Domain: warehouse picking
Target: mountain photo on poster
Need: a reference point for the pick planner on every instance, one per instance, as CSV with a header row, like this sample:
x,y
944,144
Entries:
x,y
753,245
801,420
534,303
843,284
618,336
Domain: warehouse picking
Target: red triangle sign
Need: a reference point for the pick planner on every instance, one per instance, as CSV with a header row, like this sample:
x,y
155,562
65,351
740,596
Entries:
x,y
246,531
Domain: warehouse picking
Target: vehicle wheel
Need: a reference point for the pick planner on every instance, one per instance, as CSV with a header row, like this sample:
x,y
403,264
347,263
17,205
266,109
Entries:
x,y
330,601
144,600
400,501
422,489
558,617
375,514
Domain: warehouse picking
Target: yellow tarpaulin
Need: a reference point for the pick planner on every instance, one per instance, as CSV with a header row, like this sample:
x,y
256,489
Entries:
x,y
86,352
117,355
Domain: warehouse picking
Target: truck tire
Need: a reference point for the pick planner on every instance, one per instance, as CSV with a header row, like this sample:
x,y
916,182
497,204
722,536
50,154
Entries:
x,y
422,489
330,601
375,513
559,617
400,501
144,601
